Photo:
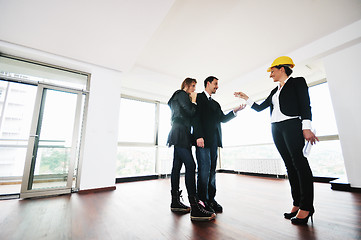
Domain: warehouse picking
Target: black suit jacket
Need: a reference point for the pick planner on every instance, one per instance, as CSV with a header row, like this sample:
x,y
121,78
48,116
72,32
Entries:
x,y
209,116
294,99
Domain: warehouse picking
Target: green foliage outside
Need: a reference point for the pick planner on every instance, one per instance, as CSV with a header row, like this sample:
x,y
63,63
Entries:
x,y
54,161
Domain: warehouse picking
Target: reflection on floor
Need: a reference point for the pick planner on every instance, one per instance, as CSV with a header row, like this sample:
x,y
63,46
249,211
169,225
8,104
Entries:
x,y
14,188
253,209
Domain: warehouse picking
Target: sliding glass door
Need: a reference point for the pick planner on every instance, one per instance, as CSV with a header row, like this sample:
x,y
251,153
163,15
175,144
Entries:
x,y
53,142
41,114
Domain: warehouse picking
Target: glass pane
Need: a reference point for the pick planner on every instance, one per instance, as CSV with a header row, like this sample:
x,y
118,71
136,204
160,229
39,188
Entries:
x,y
254,159
323,117
16,110
136,121
326,159
55,139
135,161
164,124
165,158
249,127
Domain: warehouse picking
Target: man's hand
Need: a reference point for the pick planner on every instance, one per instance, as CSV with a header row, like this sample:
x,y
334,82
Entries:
x,y
241,107
200,142
310,136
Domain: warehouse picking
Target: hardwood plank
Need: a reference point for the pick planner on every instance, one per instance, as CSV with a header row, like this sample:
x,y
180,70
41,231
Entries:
x,y
253,209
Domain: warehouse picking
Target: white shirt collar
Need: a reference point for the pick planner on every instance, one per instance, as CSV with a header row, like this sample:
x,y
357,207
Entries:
x,y
279,85
207,94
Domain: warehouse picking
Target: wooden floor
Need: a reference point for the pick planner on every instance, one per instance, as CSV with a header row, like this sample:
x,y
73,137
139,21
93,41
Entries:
x,y
253,209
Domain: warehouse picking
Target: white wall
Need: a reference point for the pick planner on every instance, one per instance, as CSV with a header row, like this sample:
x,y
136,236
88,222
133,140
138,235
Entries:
x,y
343,70
100,142
100,146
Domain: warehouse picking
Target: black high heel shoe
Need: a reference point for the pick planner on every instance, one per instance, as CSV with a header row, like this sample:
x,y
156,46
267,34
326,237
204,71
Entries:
x,y
302,221
290,215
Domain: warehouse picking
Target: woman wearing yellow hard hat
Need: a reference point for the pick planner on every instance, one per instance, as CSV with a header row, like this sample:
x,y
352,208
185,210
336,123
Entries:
x,y
291,119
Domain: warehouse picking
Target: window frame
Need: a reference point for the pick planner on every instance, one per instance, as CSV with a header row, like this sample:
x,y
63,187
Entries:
x,y
154,143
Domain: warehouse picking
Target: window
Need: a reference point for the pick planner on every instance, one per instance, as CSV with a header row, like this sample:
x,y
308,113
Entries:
x,y
165,153
19,82
16,111
135,161
323,117
249,127
262,158
139,153
164,124
137,121
247,140
326,158
248,144
137,148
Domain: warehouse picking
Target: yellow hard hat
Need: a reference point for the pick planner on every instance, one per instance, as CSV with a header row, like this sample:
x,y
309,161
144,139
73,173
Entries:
x,y
281,61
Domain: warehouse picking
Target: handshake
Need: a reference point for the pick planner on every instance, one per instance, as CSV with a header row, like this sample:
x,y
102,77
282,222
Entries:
x,y
243,96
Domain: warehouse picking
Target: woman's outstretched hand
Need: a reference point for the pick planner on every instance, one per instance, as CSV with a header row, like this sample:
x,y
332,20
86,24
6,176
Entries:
x,y
241,95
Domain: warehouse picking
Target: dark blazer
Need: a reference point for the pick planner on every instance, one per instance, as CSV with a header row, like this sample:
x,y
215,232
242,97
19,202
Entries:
x,y
209,115
294,99
183,111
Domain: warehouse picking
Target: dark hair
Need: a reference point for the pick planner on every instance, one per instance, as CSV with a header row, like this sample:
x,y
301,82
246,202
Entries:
x,y
287,68
187,82
210,80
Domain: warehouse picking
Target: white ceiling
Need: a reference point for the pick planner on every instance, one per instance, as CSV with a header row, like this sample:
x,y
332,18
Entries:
x,y
229,38
160,42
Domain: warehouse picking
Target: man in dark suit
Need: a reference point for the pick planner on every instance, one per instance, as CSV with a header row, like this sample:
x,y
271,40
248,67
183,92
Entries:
x,y
207,132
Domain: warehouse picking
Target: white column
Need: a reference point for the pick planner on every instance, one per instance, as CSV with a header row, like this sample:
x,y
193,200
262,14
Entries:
x,y
343,69
98,168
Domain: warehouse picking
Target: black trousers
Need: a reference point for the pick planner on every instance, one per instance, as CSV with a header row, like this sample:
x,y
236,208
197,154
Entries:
x,y
184,155
289,140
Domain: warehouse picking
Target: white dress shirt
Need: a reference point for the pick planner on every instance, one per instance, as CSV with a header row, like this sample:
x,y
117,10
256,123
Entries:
x,y
209,96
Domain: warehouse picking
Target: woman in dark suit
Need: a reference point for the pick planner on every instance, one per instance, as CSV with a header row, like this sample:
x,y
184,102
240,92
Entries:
x,y
291,119
182,105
